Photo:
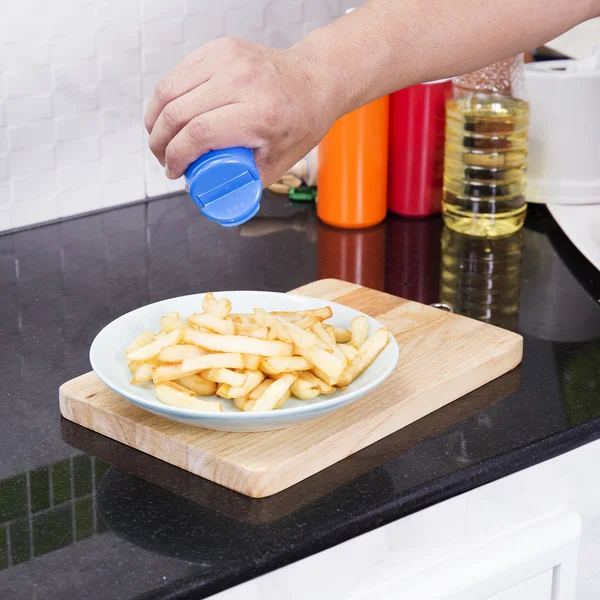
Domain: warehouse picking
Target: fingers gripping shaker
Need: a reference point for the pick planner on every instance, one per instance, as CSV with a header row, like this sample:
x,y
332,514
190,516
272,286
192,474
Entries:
x,y
225,185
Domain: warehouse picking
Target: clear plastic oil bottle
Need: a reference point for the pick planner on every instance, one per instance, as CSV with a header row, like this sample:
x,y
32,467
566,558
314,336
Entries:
x,y
486,151
485,163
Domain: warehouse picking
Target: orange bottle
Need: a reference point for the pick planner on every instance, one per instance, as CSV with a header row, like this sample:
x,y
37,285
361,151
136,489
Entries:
x,y
353,159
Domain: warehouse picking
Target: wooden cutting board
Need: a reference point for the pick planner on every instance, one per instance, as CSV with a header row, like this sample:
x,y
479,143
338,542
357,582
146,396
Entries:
x,y
442,357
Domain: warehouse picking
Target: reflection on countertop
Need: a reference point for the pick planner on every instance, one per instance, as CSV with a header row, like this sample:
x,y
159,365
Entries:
x,y
84,516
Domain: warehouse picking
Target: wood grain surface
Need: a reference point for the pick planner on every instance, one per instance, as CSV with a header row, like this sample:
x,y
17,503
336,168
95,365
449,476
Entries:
x,y
442,357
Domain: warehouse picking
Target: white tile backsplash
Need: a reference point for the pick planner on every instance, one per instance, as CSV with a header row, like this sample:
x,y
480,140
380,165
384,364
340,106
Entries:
x,y
75,100
4,167
158,10
122,92
74,152
27,82
113,42
77,126
71,19
238,21
116,68
64,48
34,25
162,33
75,76
31,135
26,55
33,186
32,160
28,108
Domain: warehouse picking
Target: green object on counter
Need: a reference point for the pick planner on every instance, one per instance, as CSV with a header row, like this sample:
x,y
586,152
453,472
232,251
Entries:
x,y
304,193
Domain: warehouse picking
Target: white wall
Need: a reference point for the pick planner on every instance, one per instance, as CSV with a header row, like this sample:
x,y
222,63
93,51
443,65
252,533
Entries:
x,y
75,76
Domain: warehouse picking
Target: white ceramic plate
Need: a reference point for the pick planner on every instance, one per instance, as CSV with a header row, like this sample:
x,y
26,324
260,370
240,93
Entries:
x,y
108,362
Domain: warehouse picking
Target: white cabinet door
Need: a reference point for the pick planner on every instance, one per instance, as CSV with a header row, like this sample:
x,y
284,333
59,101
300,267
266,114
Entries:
x,y
536,588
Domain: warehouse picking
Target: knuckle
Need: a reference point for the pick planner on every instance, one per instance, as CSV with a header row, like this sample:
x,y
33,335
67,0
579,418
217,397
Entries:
x,y
173,115
270,112
165,90
199,131
245,72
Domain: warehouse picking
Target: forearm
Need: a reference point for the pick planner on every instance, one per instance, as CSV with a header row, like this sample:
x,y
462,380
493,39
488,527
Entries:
x,y
386,45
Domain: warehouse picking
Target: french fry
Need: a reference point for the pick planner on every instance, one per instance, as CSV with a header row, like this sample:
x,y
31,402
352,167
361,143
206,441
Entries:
x,y
303,390
258,361
330,368
360,331
141,340
276,365
153,348
329,329
134,364
253,379
367,353
253,330
214,323
315,381
300,337
143,372
177,395
283,399
223,390
342,336
224,376
251,361
198,385
262,317
274,393
214,361
243,319
349,351
322,314
306,322
237,343
195,364
321,333
197,327
219,308
257,392
240,402
170,323
178,352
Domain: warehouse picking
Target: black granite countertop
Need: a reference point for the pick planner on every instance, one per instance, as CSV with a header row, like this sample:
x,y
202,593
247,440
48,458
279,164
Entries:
x,y
82,516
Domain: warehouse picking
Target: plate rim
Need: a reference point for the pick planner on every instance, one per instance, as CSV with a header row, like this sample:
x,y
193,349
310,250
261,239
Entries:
x,y
241,416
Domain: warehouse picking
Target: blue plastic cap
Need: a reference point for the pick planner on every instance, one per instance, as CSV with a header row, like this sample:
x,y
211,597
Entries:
x,y
225,185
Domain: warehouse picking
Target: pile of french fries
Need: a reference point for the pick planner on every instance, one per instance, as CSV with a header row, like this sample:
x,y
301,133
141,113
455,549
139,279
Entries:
x,y
257,360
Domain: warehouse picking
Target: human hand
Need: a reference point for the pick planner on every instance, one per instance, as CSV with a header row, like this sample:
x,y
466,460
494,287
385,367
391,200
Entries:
x,y
230,93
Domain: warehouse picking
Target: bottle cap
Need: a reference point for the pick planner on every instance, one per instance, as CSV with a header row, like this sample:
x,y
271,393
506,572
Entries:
x,y
225,185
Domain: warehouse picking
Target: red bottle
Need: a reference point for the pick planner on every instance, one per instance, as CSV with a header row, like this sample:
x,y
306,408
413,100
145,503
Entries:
x,y
416,148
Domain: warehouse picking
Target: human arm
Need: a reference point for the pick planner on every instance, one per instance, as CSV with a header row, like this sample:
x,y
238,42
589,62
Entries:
x,y
281,102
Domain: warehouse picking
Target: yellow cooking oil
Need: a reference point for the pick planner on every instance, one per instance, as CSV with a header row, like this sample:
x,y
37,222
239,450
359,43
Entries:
x,y
485,164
